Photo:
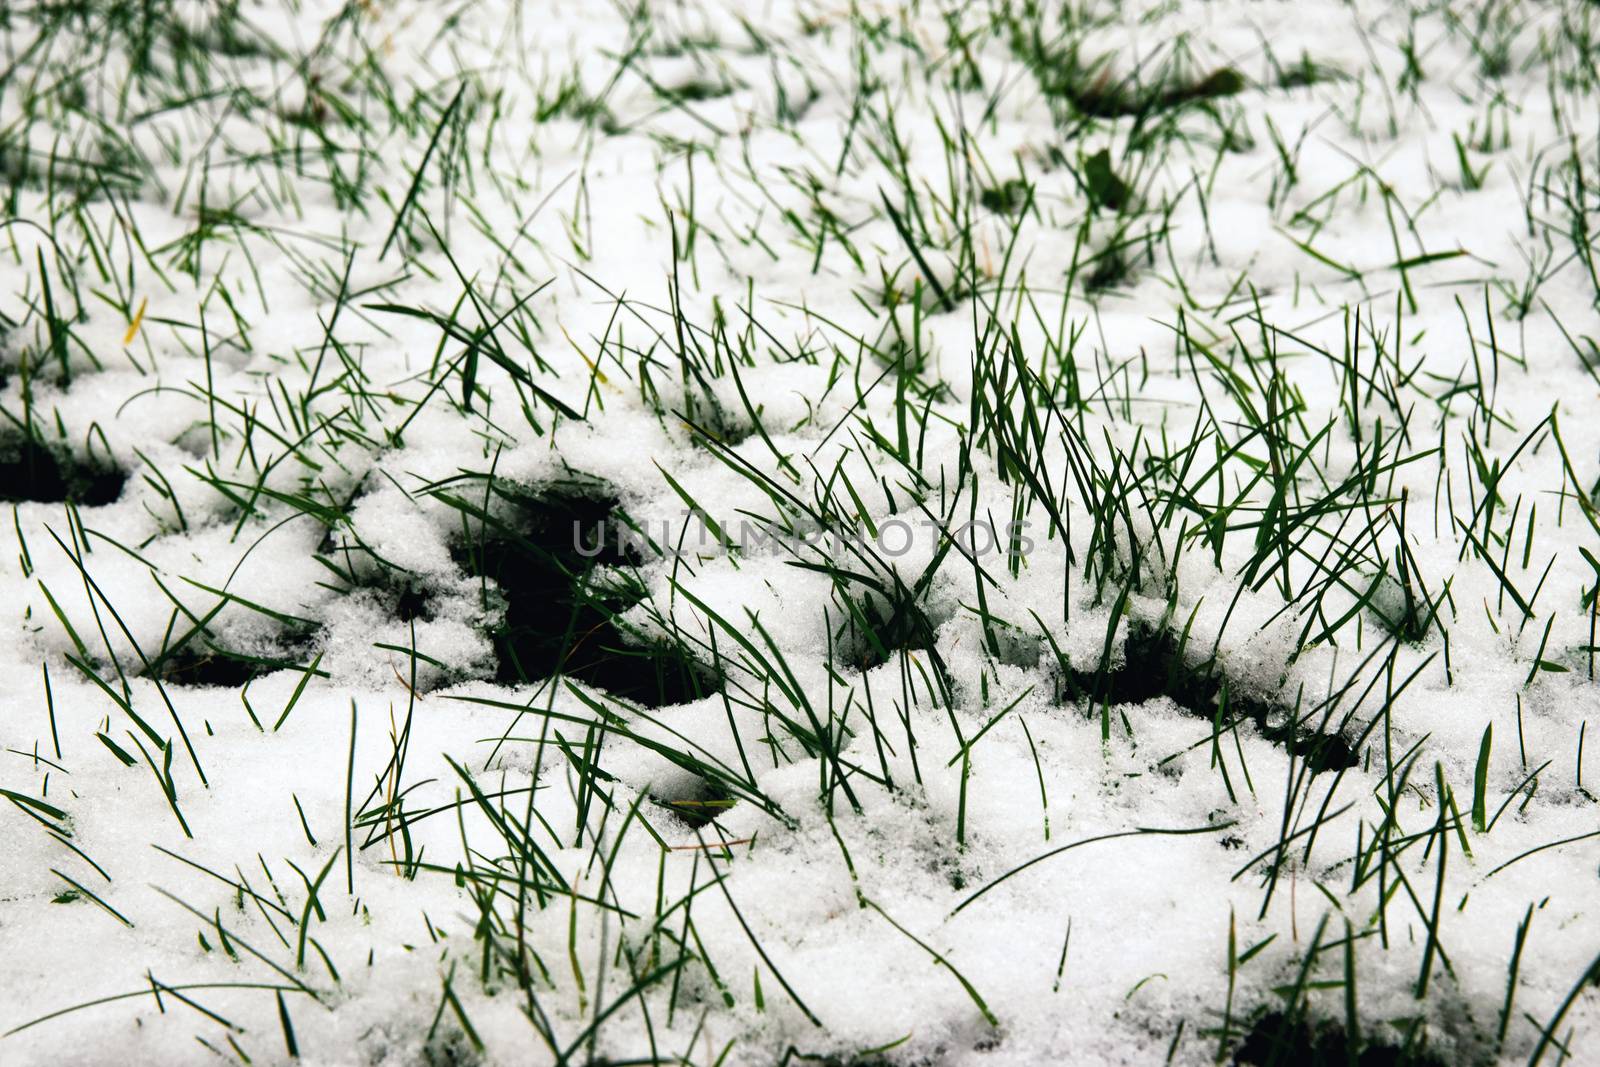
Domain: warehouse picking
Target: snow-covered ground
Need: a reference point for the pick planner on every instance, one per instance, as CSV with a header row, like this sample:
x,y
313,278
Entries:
x,y
708,533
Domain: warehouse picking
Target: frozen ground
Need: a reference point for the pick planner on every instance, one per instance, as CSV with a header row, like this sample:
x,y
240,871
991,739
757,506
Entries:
x,y
1260,336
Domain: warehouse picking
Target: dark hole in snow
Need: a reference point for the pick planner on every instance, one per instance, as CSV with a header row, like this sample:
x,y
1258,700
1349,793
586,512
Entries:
x,y
1306,71
1279,1040
1104,95
870,639
451,1048
708,417
1105,187
33,471
1110,269
411,603
557,616
933,1059
693,91
198,662
1007,198
1154,665
88,177
704,807
871,628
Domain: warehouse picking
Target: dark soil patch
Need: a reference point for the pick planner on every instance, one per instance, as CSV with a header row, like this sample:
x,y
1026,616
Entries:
x,y
33,471
1154,665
